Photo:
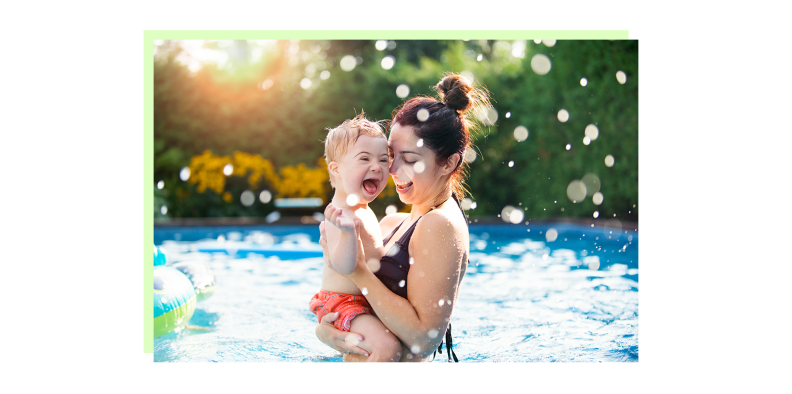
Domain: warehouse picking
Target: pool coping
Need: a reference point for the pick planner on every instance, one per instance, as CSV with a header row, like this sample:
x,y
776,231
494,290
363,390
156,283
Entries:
x,y
311,221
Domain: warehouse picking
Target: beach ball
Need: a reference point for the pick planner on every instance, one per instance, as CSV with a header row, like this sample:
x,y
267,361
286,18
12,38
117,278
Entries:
x,y
174,300
200,275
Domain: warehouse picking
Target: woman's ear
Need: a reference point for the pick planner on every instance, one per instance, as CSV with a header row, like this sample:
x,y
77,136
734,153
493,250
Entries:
x,y
451,163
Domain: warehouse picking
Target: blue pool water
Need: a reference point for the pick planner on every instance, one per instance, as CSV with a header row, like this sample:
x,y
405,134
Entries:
x,y
523,298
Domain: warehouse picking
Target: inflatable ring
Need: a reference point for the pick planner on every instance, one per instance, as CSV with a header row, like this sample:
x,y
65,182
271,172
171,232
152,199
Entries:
x,y
174,300
200,275
159,257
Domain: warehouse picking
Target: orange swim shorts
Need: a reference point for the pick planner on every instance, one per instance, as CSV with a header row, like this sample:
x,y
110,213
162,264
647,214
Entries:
x,y
348,306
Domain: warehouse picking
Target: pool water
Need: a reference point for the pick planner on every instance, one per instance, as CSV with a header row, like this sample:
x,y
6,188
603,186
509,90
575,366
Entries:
x,y
523,298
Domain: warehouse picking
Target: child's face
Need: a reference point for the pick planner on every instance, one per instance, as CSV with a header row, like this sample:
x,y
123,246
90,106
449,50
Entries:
x,y
363,170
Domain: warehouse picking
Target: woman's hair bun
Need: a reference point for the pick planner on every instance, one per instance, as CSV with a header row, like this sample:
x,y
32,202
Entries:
x,y
454,91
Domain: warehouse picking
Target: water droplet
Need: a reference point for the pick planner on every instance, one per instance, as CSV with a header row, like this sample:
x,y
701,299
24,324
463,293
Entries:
x,y
387,62
390,210
596,214
419,167
563,116
609,161
466,202
420,140
597,198
164,210
473,206
520,133
551,235
586,140
364,291
432,333
568,146
422,115
305,83
265,196
592,132
160,185
516,216
592,183
381,45
348,63
508,115
247,198
324,74
402,91
549,43
272,217
479,57
352,199
540,64
576,191
184,174
621,77
415,349
411,261
401,283
537,41
441,302
583,81
228,169
352,339
373,264
511,164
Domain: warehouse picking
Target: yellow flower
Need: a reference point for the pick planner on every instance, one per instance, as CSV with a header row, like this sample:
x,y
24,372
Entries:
x,y
291,181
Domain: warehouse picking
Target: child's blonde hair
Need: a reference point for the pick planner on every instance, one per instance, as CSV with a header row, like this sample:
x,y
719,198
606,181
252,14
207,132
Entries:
x,y
341,138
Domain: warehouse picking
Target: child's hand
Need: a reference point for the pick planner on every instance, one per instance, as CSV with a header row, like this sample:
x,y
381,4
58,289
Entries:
x,y
336,217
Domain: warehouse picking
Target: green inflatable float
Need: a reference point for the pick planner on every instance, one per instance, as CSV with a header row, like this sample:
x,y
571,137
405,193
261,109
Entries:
x,y
174,300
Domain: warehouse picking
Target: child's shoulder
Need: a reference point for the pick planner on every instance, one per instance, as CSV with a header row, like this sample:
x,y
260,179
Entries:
x,y
367,215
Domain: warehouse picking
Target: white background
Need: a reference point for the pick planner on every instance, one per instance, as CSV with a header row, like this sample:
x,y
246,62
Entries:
x,y
713,192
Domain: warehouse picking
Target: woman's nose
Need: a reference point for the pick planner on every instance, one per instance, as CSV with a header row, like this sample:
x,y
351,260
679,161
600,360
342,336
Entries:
x,y
392,168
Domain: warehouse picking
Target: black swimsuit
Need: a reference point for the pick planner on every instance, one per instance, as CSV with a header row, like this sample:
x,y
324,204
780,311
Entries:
x,y
395,265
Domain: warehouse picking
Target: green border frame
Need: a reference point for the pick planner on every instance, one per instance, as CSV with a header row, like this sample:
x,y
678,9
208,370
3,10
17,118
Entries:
x,y
148,101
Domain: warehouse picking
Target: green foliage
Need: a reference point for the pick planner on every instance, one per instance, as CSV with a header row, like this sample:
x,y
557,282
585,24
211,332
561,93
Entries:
x,y
224,109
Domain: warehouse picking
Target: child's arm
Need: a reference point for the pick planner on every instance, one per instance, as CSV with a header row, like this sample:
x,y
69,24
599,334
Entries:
x,y
343,255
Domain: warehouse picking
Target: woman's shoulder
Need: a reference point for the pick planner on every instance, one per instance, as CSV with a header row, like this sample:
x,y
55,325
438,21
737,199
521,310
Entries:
x,y
443,221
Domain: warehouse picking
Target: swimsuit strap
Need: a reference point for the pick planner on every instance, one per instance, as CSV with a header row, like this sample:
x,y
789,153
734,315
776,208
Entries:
x,y
449,349
387,239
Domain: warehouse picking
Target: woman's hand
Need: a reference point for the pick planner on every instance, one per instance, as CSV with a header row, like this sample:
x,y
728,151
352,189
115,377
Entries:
x,y
323,244
344,342
362,266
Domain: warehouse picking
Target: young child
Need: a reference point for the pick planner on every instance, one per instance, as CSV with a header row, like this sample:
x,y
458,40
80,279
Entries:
x,y
357,158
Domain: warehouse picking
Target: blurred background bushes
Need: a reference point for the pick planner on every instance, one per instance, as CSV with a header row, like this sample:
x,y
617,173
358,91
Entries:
x,y
263,107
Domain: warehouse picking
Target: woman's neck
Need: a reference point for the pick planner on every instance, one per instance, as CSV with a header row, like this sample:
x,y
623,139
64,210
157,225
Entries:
x,y
421,209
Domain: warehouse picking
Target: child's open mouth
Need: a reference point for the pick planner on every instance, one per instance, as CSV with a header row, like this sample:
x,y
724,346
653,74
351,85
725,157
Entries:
x,y
370,186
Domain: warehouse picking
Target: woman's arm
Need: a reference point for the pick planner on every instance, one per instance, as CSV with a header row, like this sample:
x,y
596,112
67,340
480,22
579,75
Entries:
x,y
420,321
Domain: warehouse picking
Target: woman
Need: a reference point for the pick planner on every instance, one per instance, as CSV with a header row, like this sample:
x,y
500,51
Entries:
x,y
414,287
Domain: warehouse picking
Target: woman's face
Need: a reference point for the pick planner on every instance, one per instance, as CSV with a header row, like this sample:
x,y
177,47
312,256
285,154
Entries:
x,y
413,166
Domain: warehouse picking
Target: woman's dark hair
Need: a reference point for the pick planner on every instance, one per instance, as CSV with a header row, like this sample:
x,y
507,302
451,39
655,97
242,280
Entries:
x,y
447,128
